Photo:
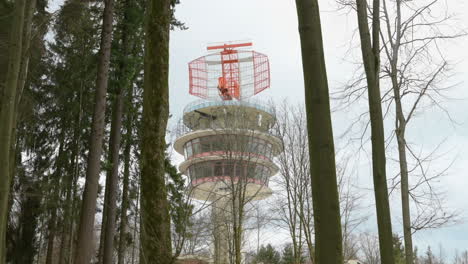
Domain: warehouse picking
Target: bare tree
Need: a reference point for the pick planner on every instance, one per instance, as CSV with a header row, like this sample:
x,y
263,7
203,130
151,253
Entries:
x,y
460,258
293,206
351,208
414,75
370,49
415,67
369,245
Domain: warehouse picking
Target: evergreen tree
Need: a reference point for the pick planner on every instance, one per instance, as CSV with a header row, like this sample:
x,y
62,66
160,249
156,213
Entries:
x,y
180,209
83,251
398,250
7,115
267,255
287,256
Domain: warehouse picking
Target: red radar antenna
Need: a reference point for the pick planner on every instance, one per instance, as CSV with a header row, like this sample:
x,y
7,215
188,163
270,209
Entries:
x,y
229,73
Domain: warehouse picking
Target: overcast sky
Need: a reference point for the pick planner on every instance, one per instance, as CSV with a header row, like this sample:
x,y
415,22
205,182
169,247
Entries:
x,y
272,26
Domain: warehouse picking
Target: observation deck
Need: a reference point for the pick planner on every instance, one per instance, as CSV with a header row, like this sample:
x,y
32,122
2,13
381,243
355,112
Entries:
x,y
225,142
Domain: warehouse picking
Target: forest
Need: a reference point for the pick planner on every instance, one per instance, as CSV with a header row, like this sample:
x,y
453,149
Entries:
x,y
98,165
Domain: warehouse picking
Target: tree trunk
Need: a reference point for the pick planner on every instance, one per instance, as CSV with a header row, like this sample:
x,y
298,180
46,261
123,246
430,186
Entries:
x,y
105,207
72,176
7,115
370,54
400,130
23,73
51,237
84,247
155,221
405,195
328,239
126,176
113,179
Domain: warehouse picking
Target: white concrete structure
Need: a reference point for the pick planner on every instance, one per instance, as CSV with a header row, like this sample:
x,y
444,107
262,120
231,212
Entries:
x,y
227,145
225,138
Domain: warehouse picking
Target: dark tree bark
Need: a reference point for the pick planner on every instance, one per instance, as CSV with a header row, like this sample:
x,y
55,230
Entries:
x,y
7,116
126,180
51,237
125,201
371,58
155,221
84,247
113,175
328,239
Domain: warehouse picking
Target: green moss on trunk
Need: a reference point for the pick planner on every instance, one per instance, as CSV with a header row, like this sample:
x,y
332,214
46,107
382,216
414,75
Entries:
x,y
155,221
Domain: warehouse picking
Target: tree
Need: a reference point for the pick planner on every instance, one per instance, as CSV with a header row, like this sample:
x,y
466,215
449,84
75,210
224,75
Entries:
x,y
370,55
124,72
83,251
413,72
7,115
293,207
289,257
415,66
267,255
328,237
181,208
460,258
398,250
155,224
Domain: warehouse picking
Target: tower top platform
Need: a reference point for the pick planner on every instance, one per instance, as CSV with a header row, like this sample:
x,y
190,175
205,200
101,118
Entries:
x,y
229,71
247,114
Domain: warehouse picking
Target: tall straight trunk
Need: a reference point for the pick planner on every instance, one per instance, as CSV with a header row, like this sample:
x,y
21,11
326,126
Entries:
x,y
328,239
29,13
25,247
23,73
72,175
114,146
400,133
155,225
7,116
53,202
135,226
400,130
51,237
126,181
113,175
100,255
371,58
84,247
66,218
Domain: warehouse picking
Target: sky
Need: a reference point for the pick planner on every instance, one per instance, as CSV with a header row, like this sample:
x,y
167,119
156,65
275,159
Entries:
x,y
272,26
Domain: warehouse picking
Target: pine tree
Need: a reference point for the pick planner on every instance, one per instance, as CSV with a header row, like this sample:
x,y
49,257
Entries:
x,y
83,252
267,255
7,116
